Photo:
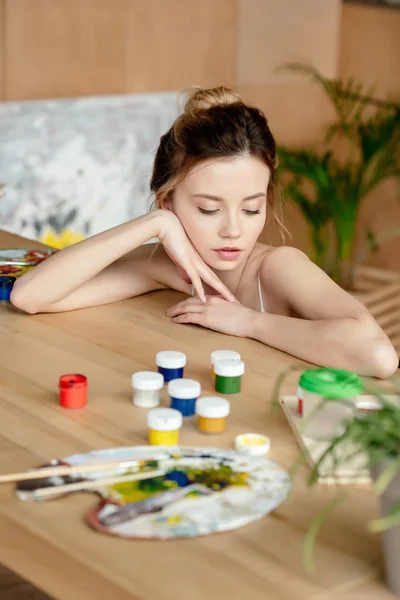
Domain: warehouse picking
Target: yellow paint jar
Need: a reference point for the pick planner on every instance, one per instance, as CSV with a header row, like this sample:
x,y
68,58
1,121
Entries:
x,y
217,355
212,412
164,425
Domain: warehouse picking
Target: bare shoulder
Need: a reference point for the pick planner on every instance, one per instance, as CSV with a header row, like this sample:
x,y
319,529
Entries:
x,y
152,260
281,259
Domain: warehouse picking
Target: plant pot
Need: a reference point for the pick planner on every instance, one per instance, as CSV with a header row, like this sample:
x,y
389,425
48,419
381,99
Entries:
x,y
391,537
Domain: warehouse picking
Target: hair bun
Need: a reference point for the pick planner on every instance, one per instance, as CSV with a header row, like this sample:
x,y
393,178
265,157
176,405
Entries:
x,y
203,99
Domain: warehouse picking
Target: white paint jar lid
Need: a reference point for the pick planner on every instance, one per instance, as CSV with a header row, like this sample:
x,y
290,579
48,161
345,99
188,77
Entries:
x,y
229,368
147,381
212,407
252,444
164,419
184,389
223,355
170,359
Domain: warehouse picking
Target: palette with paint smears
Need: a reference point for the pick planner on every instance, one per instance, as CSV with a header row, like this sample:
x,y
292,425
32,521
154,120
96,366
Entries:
x,y
197,491
24,257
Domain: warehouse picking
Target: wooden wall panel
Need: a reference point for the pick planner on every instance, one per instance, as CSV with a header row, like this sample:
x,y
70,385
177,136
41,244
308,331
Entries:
x,y
59,48
176,43
2,49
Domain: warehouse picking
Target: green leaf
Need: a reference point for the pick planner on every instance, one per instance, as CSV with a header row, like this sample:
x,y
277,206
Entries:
x,y
391,519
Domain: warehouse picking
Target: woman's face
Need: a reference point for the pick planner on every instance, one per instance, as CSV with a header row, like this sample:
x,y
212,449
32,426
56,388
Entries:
x,y
222,207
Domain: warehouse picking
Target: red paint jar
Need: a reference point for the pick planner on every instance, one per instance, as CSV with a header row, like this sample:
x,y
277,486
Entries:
x,y
73,391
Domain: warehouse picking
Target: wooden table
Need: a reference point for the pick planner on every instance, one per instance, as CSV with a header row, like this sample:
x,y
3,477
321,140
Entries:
x,y
50,545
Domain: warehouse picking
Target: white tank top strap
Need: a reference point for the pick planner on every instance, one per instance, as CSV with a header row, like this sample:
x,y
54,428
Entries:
x,y
260,294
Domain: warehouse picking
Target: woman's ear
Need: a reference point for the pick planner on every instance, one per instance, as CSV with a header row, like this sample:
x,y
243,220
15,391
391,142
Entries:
x,y
163,202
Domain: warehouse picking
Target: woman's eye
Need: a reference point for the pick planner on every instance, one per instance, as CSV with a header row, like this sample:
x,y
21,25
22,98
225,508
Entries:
x,y
207,212
252,212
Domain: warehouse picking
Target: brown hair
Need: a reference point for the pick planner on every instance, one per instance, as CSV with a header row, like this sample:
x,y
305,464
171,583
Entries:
x,y
216,123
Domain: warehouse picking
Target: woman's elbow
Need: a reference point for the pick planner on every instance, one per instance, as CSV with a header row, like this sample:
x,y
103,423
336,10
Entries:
x,y
383,358
20,299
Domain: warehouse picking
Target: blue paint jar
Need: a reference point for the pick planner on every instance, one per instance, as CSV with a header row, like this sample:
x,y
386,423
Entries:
x,y
6,285
183,394
171,364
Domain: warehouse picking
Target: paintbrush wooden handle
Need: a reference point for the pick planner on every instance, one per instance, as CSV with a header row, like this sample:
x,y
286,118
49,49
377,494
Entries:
x,y
65,470
56,490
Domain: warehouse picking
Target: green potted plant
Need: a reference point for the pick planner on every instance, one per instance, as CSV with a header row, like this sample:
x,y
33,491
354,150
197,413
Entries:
x,y
329,187
374,436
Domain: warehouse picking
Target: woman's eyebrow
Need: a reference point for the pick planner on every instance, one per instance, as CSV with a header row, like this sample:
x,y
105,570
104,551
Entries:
x,y
219,199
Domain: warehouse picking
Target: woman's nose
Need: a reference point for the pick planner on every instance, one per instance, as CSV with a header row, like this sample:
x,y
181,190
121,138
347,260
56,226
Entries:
x,y
230,228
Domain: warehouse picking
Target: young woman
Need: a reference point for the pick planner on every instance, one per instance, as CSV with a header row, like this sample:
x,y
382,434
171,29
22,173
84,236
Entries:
x,y
214,186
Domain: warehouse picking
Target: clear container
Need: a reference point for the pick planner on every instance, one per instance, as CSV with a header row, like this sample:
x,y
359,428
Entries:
x,y
171,364
328,399
183,394
164,425
228,376
217,355
146,388
212,412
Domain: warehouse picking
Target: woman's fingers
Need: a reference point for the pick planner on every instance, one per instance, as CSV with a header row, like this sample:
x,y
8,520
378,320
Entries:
x,y
213,281
198,286
192,305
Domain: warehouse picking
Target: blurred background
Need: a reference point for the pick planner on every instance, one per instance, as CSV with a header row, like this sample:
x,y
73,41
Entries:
x,y
88,86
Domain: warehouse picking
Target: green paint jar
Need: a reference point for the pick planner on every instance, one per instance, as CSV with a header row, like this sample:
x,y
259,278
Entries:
x,y
228,376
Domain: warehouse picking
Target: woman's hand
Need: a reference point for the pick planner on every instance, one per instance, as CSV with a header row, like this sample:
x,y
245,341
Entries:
x,y
231,318
190,264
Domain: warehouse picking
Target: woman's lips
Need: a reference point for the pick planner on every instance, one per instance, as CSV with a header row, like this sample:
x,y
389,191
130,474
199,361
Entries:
x,y
228,253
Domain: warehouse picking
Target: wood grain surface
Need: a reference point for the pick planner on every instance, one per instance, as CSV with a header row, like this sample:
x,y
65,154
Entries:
x,y
50,545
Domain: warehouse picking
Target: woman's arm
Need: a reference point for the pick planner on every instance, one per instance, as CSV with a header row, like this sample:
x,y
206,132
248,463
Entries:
x,y
110,266
334,329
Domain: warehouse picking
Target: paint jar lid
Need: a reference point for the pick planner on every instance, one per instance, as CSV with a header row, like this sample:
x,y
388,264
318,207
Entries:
x,y
147,381
223,355
229,368
331,383
184,389
252,444
72,381
164,419
213,407
169,359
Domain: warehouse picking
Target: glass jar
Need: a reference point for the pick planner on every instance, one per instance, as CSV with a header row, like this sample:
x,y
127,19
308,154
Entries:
x,y
328,399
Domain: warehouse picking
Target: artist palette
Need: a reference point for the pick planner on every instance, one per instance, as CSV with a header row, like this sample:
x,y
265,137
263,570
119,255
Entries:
x,y
197,491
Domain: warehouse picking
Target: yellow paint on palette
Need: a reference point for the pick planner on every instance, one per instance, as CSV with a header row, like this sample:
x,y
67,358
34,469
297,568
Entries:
x,y
65,238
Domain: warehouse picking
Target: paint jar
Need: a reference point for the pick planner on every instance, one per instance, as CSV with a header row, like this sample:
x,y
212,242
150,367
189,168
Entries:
x,y
217,355
183,394
146,388
170,364
252,444
164,425
328,401
212,412
228,376
6,285
73,391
